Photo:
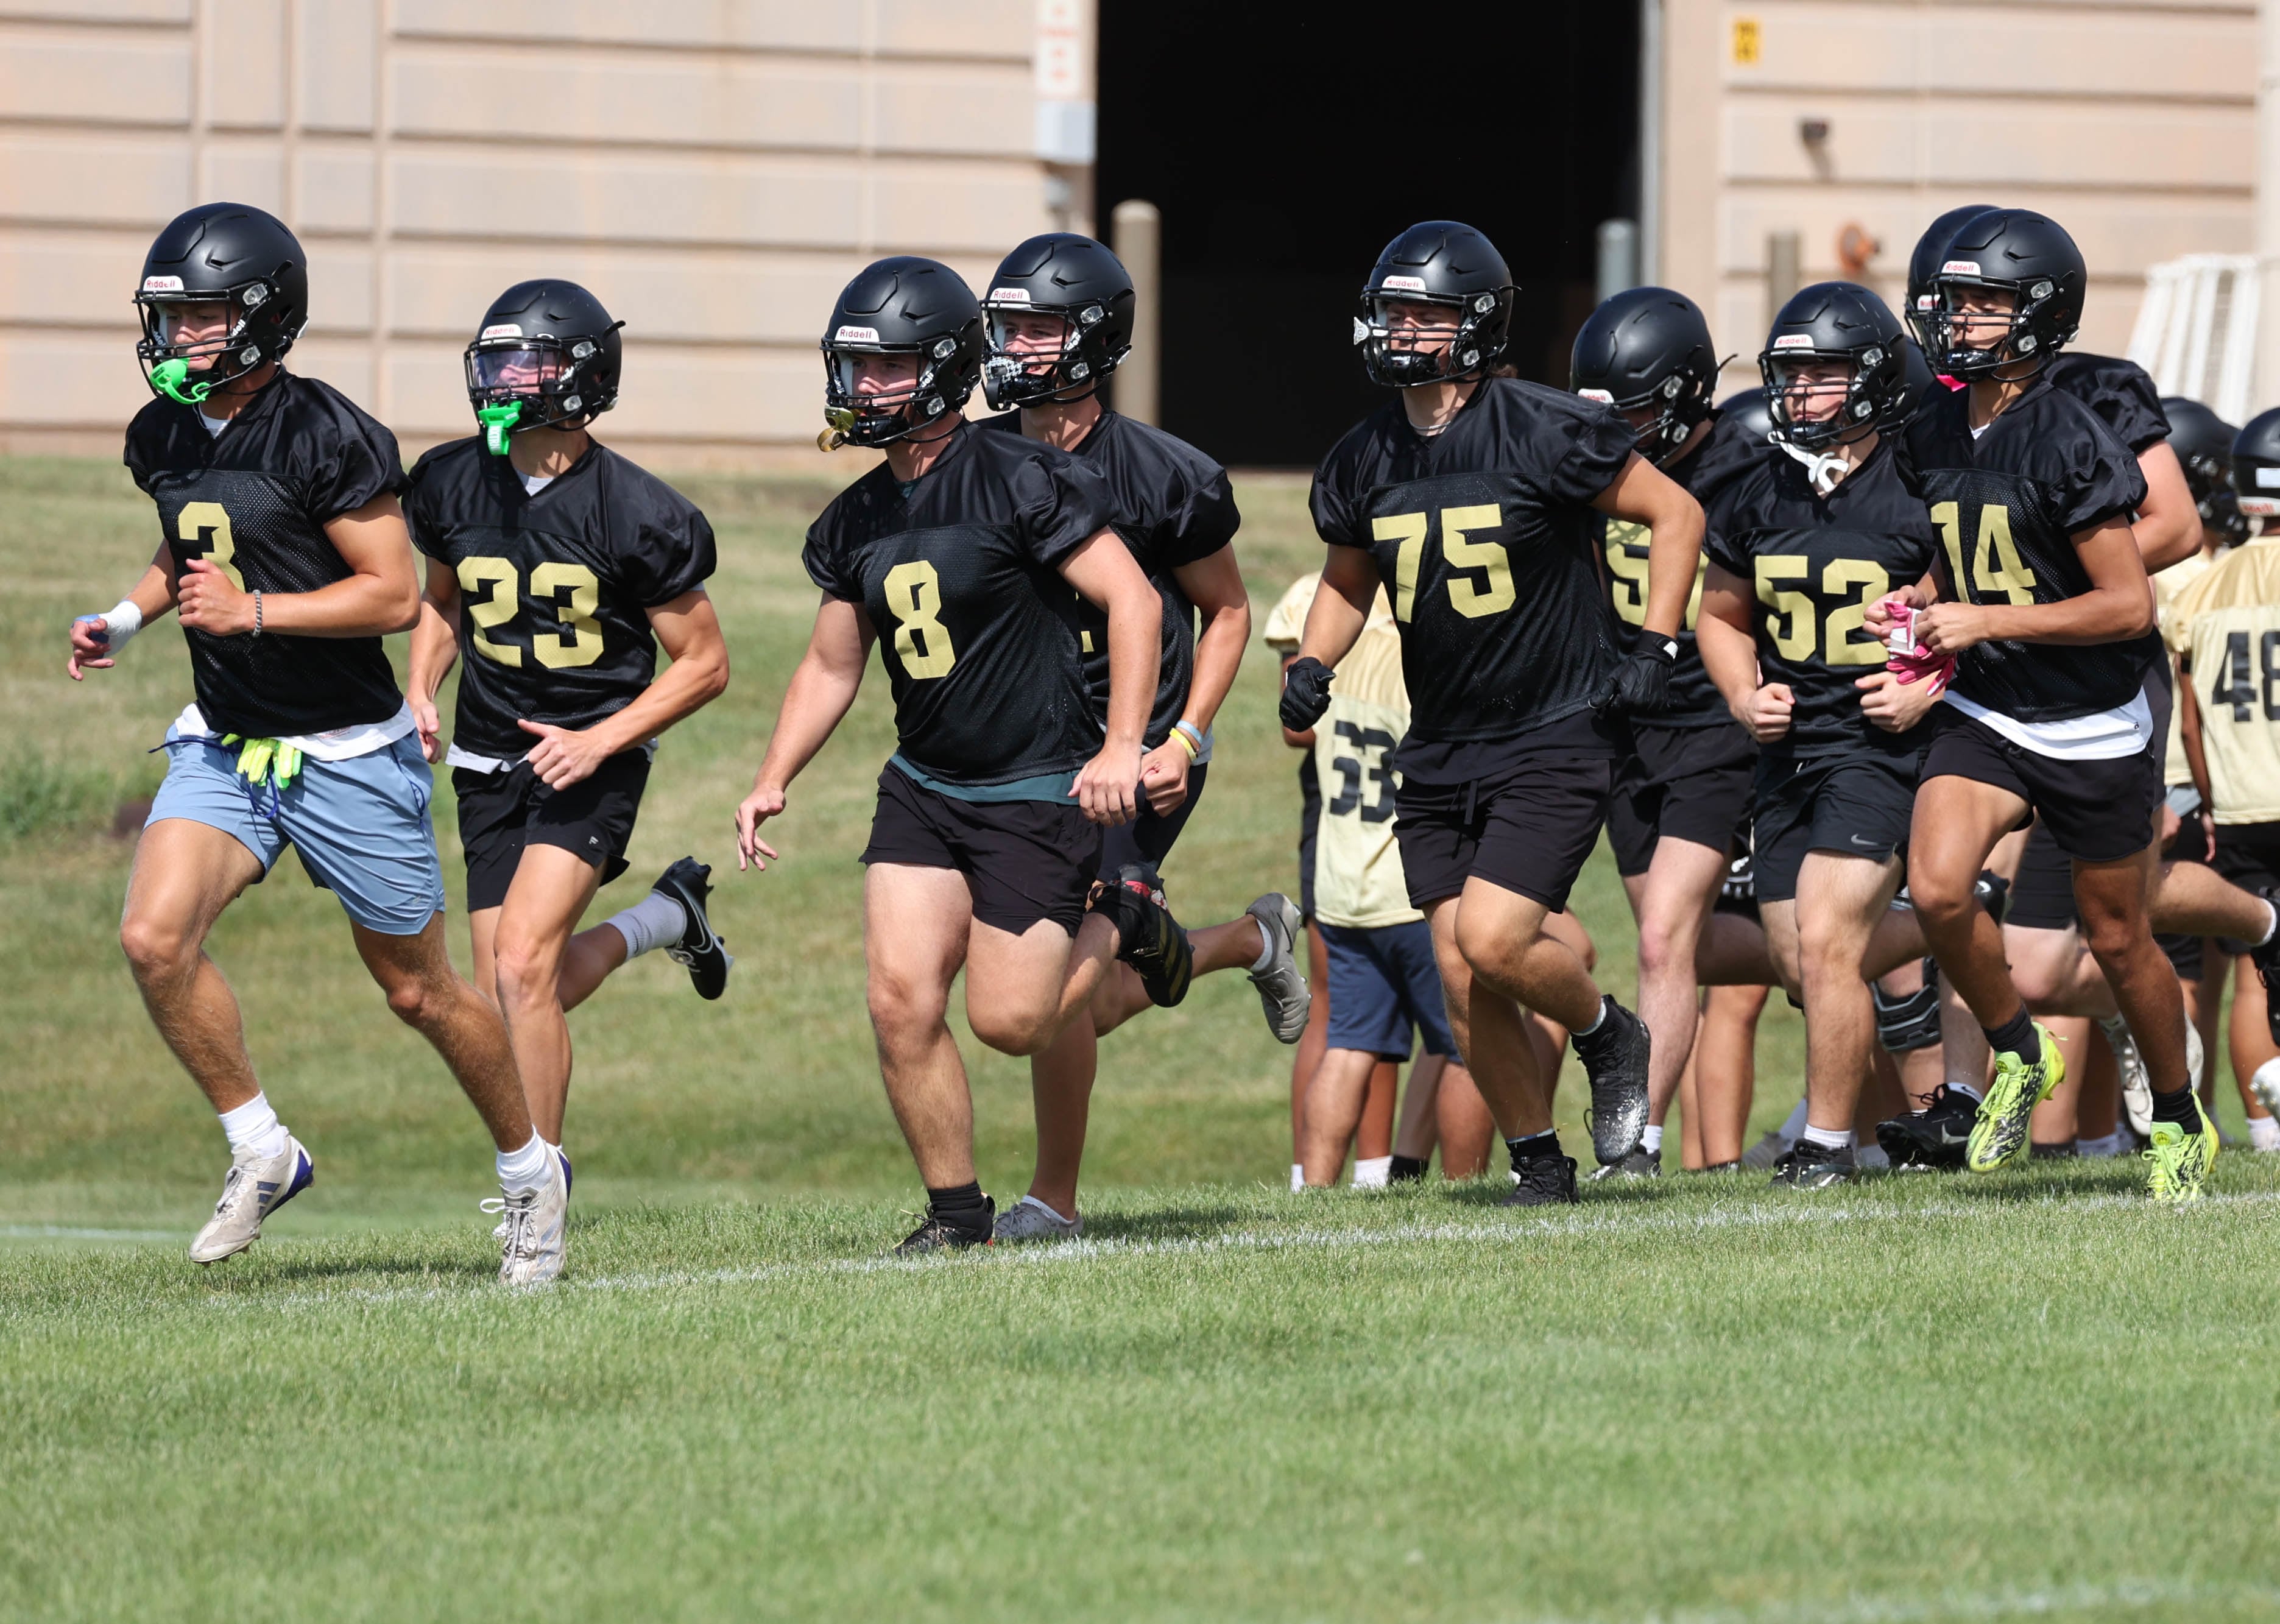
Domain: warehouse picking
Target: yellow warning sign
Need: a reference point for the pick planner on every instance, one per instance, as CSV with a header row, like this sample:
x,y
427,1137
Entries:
x,y
1746,41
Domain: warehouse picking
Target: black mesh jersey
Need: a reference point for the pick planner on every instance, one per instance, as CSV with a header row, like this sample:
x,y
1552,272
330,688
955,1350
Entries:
x,y
555,585
2008,507
959,579
1172,505
2119,391
1813,564
1725,452
256,499
1485,540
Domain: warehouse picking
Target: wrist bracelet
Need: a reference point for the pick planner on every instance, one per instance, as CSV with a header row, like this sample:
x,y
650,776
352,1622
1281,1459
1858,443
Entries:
x,y
257,613
1192,734
1185,743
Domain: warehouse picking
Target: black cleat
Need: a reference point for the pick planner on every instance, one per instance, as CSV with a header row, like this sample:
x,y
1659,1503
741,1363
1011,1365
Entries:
x,y
1614,1058
2052,1150
1407,1169
2266,957
1148,937
700,951
937,1233
1814,1166
1933,1137
1994,893
1543,1181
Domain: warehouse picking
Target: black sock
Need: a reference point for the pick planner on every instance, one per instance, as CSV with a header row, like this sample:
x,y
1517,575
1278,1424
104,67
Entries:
x,y
2016,1037
961,1206
1526,1150
1406,1167
2179,1107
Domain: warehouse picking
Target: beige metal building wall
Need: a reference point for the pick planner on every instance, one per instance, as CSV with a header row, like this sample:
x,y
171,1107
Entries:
x,y
2131,122
714,170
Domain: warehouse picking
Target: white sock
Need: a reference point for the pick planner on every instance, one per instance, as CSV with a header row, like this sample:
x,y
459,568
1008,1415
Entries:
x,y
253,1126
1828,1138
2264,1133
1370,1172
1965,1089
2265,1082
1793,1124
524,1169
652,923
2109,1146
1266,949
2275,926
1871,1155
1597,1020
1298,1177
1650,1141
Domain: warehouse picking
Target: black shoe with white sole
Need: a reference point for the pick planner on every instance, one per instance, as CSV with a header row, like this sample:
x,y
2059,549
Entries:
x,y
1614,1058
700,951
1933,1137
1815,1166
1543,1181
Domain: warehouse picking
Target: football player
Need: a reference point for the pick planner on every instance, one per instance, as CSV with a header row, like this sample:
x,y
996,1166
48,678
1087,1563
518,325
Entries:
x,y
559,567
1798,546
2226,628
1468,498
1059,319
1683,791
957,553
2045,607
283,554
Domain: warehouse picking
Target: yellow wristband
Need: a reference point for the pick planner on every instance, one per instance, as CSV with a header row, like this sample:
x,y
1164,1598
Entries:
x,y
1184,743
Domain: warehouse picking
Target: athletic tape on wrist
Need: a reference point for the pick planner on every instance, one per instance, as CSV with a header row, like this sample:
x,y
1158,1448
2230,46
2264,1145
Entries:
x,y
120,623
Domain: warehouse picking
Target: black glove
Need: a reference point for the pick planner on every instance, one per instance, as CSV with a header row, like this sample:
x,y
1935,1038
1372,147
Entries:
x,y
1306,693
1641,684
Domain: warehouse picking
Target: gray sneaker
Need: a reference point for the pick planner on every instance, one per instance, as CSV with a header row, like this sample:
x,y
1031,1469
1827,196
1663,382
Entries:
x,y
1640,1164
2137,1087
1031,1220
1768,1151
255,1187
1282,988
537,1243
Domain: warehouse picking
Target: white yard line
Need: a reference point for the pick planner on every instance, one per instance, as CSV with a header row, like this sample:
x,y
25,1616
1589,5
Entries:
x,y
2130,1594
68,1232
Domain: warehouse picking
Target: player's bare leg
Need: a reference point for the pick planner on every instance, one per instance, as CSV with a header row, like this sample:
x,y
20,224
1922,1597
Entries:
x,y
1416,1129
1335,1110
429,995
1672,902
2112,899
2255,1059
916,925
1725,1068
185,875
1312,1043
528,943
1957,822
1491,1036
1060,1085
1463,1124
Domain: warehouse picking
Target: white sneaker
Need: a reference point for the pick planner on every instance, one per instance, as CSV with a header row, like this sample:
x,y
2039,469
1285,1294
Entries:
x,y
2137,1087
255,1187
498,1231
1031,1220
1281,987
537,1243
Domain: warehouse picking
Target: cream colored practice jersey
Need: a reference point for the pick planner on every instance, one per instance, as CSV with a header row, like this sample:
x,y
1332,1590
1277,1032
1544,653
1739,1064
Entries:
x,y
2167,587
2227,626
1358,878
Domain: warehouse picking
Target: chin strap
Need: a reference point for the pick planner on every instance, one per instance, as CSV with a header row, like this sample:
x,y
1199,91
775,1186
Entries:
x,y
1823,472
498,421
166,378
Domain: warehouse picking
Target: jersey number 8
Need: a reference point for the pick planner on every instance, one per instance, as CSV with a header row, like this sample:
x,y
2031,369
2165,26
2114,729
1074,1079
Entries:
x,y
922,641
1491,594
579,643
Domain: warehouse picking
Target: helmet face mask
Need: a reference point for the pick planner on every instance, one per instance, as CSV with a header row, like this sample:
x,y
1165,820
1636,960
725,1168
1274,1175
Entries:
x,y
1833,367
1436,308
2008,294
1924,262
546,356
1647,353
875,393
225,291
902,350
1058,321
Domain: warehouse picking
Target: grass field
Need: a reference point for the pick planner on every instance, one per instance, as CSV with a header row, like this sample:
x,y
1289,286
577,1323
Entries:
x,y
1919,1399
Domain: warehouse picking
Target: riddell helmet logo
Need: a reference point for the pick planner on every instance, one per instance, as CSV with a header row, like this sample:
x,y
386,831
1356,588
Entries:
x,y
1011,295
1960,267
1794,341
1405,284
1601,395
856,335
162,284
502,329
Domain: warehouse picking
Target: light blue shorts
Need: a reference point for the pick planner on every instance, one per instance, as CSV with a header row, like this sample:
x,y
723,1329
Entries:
x,y
361,824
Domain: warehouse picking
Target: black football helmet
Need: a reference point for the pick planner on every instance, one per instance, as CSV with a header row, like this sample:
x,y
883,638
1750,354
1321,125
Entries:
x,y
2256,465
1648,347
902,305
2203,442
1438,262
1750,413
546,356
1077,279
2026,254
228,255
1842,322
1931,248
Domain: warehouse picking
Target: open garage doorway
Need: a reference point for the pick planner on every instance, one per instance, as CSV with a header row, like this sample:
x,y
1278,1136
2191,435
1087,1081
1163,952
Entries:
x,y
1286,145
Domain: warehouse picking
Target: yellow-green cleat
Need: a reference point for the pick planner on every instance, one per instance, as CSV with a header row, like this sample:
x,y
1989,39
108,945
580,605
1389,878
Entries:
x,y
2178,1162
2000,1138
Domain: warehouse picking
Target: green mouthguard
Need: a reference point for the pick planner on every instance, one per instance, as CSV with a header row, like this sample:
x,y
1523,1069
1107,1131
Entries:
x,y
495,421
166,378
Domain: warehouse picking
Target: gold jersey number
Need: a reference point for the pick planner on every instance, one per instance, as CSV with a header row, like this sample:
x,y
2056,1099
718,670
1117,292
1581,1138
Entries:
x,y
1491,594
922,641
206,524
1994,570
1626,573
494,592
1790,627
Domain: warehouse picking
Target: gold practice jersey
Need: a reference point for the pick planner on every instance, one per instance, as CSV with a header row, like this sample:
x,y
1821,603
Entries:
x,y
2167,587
2227,627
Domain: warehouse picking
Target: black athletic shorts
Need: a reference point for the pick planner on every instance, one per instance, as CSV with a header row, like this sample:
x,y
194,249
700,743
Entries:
x,y
2098,811
2248,854
502,812
2042,897
1148,838
1856,804
1023,860
1528,826
1681,783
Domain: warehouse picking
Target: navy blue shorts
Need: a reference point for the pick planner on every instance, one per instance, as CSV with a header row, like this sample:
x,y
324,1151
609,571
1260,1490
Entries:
x,y
1385,987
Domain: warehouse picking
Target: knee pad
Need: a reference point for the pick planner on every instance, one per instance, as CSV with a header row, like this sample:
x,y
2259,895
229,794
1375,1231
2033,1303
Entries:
x,y
1910,1021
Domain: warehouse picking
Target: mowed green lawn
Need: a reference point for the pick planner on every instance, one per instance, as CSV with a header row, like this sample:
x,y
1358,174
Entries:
x,y
1924,1398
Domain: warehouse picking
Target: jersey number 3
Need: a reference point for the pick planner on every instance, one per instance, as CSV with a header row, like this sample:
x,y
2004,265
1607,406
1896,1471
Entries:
x,y
922,641
579,643
1492,593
